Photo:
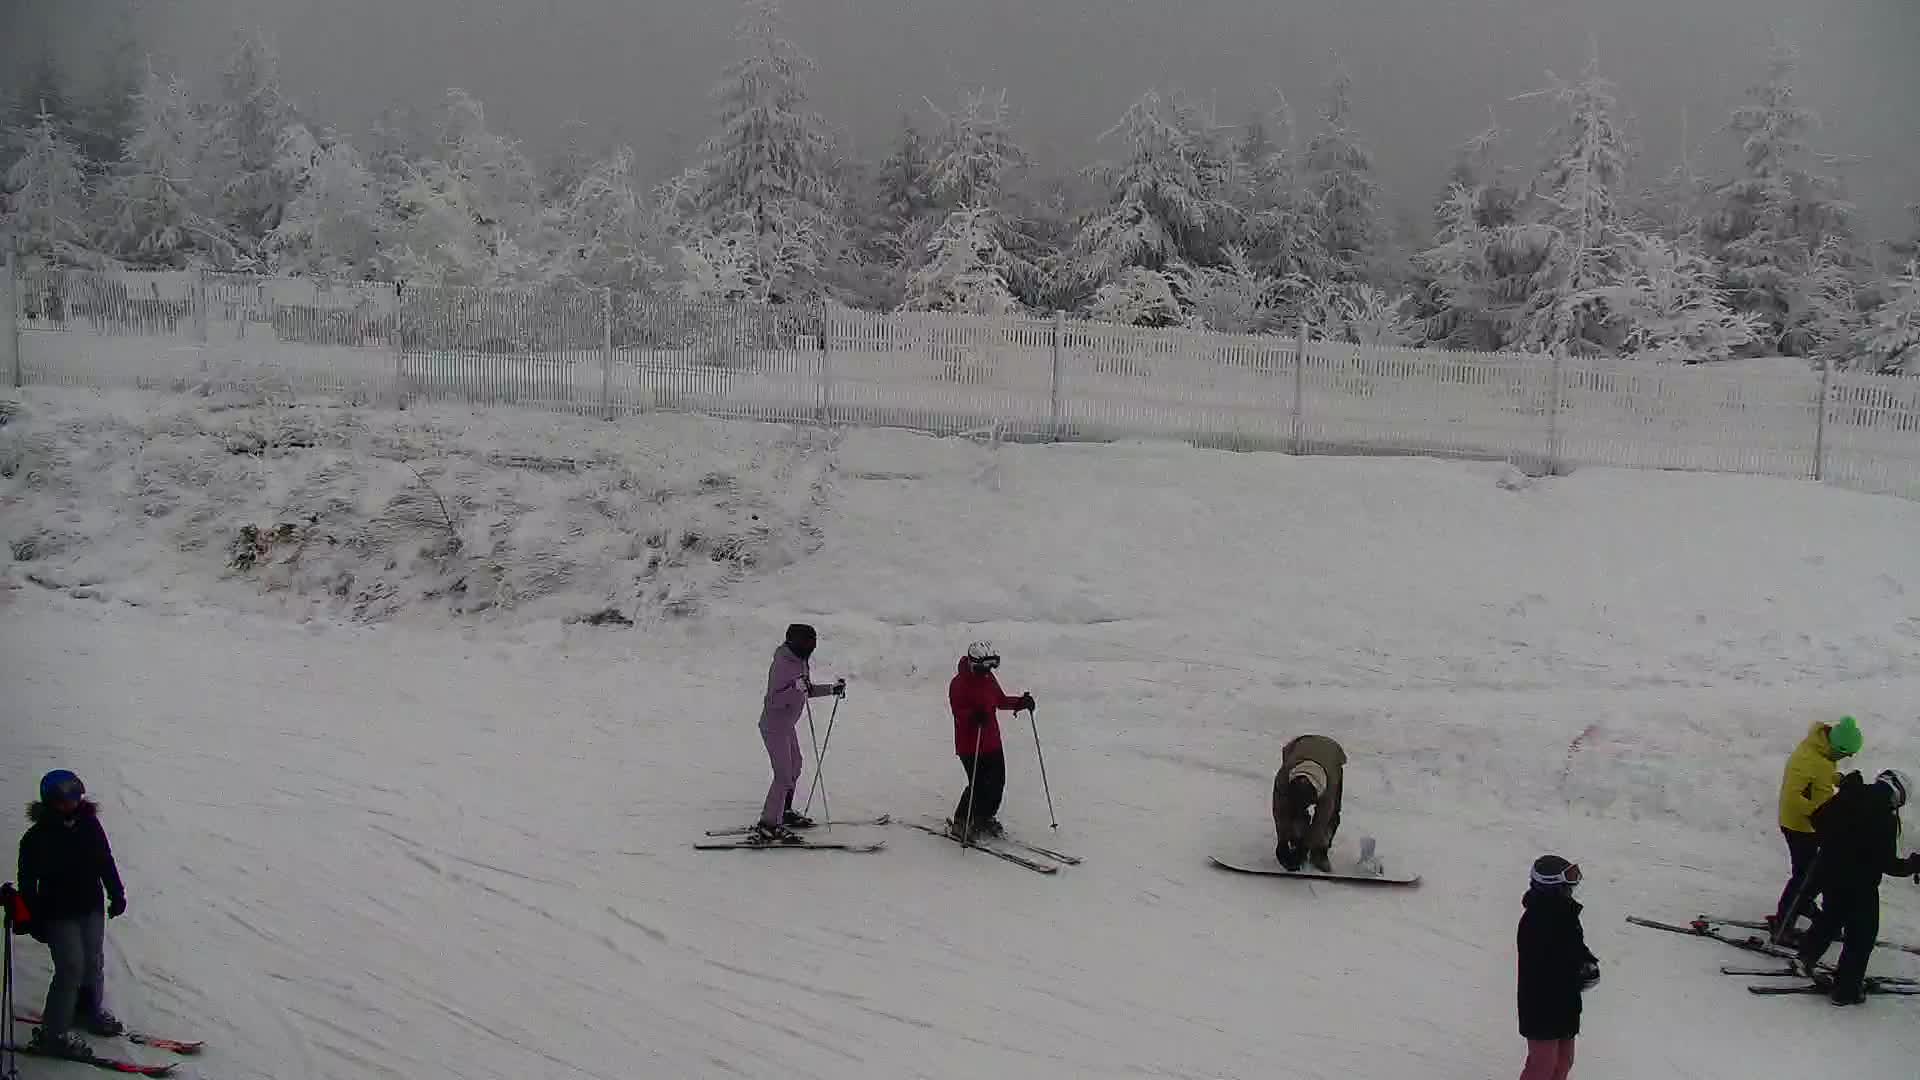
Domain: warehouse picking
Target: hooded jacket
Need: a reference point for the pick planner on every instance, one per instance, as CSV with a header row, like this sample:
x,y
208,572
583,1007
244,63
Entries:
x,y
1809,780
789,685
1325,762
66,864
1554,962
974,698
1859,833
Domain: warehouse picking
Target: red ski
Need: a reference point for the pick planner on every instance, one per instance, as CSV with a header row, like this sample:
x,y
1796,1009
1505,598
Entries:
x,y
139,1038
98,1062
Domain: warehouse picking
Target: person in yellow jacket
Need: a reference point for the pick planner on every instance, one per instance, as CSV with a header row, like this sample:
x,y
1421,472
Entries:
x,y
1811,773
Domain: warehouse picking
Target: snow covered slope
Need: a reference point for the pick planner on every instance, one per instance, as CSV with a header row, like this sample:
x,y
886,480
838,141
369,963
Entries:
x,y
429,838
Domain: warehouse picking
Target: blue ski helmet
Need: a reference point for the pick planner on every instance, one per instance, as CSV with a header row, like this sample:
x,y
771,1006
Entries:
x,y
61,784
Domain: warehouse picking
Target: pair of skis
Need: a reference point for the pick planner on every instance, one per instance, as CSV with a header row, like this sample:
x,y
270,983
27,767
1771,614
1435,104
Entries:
x,y
134,1068
1706,927
722,844
1040,860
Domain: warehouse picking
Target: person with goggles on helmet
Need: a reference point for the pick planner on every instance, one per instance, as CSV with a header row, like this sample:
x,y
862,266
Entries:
x,y
71,886
1555,968
1859,833
975,697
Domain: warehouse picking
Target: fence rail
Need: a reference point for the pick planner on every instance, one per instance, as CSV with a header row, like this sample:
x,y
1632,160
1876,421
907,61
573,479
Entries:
x,y
595,353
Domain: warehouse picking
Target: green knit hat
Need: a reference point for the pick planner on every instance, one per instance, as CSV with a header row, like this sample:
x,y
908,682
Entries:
x,y
1844,737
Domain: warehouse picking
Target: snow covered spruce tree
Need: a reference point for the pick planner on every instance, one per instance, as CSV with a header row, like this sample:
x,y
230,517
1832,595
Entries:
x,y
337,221
1281,221
614,237
1340,170
160,211
767,178
1580,256
472,211
966,265
251,172
1457,280
1890,339
1777,212
1675,308
44,213
1167,210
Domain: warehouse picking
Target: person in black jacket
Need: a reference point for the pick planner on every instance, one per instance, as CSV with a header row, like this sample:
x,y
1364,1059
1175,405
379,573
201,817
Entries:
x,y
1859,834
1555,968
66,865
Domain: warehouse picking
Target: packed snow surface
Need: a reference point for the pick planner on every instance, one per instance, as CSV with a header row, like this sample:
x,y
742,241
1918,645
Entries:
x,y
388,808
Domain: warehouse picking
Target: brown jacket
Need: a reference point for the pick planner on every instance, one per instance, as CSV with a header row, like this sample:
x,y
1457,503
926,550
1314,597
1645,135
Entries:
x,y
1309,751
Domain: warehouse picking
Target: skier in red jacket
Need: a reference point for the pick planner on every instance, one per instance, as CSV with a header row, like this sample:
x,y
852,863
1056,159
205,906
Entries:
x,y
976,697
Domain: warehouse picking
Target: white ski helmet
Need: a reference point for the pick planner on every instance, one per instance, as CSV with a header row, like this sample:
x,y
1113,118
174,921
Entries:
x,y
982,656
1897,783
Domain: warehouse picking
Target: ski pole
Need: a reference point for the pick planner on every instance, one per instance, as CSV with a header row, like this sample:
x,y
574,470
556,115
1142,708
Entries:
x,y
820,758
1034,719
9,1057
825,811
1800,897
973,784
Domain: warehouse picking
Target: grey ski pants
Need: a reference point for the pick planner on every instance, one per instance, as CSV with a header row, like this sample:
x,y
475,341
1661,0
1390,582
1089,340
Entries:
x,y
79,970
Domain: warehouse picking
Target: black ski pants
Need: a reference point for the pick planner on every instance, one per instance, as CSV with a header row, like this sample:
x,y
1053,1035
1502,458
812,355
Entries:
x,y
1802,849
1852,913
986,781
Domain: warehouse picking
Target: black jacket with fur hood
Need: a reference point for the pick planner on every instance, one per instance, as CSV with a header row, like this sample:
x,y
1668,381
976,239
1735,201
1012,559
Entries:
x,y
66,864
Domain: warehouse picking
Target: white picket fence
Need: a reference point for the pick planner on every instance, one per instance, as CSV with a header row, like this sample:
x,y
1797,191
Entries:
x,y
594,353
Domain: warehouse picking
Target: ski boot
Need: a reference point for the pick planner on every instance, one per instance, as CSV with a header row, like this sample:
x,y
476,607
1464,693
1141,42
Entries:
x,y
103,1024
764,835
991,827
795,820
66,1044
959,831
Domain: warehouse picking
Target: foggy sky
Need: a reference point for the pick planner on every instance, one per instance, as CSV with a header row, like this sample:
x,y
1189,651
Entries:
x,y
1425,71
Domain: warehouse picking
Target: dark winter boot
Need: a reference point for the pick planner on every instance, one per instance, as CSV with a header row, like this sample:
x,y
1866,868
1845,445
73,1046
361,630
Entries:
x,y
992,827
764,835
1848,997
104,1024
66,1044
1288,857
959,831
1320,861
795,820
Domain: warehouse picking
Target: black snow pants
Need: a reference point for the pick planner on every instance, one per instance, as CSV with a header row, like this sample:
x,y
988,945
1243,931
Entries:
x,y
1852,913
986,781
1802,848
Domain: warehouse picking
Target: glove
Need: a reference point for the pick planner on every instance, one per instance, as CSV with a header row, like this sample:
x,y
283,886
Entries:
x,y
840,688
116,907
1026,702
1589,976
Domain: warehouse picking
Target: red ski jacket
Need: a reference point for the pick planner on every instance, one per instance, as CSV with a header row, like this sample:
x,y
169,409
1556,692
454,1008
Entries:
x,y
975,699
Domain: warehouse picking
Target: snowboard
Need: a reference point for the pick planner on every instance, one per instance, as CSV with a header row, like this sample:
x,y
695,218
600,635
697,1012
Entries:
x,y
1274,869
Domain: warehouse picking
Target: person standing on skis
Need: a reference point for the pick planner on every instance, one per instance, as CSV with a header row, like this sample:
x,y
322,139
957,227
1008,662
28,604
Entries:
x,y
1808,782
789,687
71,886
975,697
1859,831
1555,968
1306,801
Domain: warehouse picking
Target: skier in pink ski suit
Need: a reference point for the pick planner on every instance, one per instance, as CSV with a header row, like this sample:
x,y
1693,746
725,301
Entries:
x,y
789,685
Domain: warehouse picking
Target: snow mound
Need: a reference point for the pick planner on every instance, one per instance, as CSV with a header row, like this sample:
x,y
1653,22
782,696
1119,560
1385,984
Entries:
x,y
370,514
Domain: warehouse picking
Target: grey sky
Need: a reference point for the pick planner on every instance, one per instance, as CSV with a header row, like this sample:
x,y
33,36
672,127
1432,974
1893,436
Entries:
x,y
1425,71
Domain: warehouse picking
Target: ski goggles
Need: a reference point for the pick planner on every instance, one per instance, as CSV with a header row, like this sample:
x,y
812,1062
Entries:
x,y
1568,877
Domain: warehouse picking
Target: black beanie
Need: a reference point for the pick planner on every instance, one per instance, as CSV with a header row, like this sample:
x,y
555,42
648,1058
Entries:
x,y
801,638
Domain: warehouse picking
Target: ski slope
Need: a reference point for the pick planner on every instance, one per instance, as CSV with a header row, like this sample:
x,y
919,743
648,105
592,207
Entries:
x,y
457,844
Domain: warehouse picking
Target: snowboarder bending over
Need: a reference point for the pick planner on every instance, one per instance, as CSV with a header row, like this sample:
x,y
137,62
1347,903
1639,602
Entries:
x,y
1859,831
789,685
1306,801
975,697
1811,773
71,886
1555,968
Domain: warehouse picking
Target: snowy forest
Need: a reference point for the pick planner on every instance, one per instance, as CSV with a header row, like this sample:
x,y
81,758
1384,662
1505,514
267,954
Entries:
x,y
1255,226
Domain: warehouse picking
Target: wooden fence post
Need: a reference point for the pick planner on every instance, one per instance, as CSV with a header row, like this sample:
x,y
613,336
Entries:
x,y
399,350
823,396
1553,413
1299,390
10,337
606,353
1820,420
1055,419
